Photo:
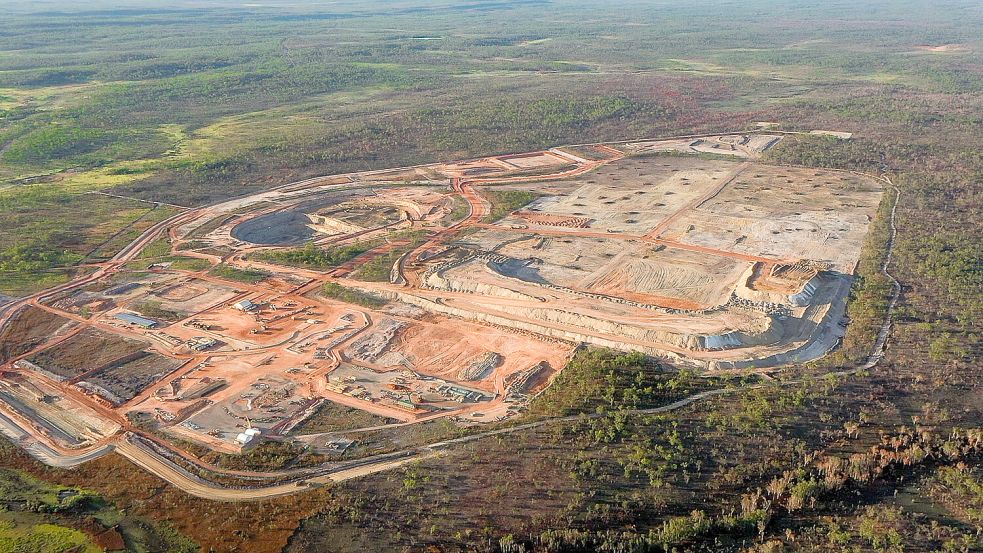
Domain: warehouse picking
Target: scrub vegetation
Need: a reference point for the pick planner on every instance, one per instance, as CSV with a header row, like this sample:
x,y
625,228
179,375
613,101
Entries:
x,y
44,517
314,257
240,275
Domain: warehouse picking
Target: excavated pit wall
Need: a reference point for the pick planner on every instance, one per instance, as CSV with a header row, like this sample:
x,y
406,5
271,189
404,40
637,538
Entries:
x,y
770,334
435,279
825,337
804,297
438,281
506,322
799,299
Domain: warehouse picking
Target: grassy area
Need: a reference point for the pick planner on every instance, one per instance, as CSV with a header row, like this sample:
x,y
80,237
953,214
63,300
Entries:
x,y
46,229
187,263
45,517
124,237
193,245
596,380
228,272
176,262
266,456
19,487
154,310
379,268
44,538
506,201
160,247
313,257
351,295
24,283
26,259
458,212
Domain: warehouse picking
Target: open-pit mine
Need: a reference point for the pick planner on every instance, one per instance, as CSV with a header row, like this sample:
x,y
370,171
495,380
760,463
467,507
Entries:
x,y
451,290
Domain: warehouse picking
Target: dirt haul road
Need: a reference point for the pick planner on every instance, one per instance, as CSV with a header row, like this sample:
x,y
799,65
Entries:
x,y
196,486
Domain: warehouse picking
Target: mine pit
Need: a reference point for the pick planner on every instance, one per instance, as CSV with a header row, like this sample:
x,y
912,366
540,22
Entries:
x,y
478,281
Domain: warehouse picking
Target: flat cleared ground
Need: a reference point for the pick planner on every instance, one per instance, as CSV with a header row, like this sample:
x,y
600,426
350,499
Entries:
x,y
786,213
632,195
33,327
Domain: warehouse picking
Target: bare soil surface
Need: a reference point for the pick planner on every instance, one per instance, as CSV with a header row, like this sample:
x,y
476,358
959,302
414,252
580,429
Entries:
x,y
27,330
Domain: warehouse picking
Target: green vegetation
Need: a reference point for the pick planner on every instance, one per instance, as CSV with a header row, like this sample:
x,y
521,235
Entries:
x,y
37,496
186,263
871,290
332,417
379,268
193,245
43,517
45,230
458,212
176,262
506,201
957,265
27,259
239,275
54,142
598,380
961,488
675,532
44,538
154,310
310,256
25,269
351,295
158,248
266,456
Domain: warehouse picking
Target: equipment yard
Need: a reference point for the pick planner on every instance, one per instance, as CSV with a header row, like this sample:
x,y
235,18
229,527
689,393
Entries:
x,y
455,290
